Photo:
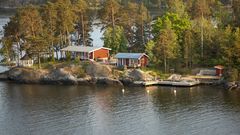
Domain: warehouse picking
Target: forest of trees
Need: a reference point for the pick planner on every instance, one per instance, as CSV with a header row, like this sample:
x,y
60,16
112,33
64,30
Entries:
x,y
187,34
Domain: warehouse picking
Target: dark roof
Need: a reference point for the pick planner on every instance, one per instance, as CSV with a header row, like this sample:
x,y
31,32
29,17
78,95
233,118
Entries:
x,y
129,55
82,48
26,57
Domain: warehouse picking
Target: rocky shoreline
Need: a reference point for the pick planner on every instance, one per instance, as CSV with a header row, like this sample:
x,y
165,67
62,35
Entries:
x,y
94,74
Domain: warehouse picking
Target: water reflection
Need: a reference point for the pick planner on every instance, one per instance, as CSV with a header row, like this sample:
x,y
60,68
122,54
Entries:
x,y
48,109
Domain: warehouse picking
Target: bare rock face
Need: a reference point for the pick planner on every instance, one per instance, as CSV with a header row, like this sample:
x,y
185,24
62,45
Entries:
x,y
107,81
4,76
98,74
95,69
92,74
26,75
139,75
60,76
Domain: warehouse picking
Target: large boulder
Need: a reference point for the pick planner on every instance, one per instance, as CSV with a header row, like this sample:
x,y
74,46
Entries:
x,y
139,75
107,81
87,80
92,74
4,76
60,76
95,69
26,75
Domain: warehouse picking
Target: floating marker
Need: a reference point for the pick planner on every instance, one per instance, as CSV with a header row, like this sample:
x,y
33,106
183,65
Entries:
x,y
175,91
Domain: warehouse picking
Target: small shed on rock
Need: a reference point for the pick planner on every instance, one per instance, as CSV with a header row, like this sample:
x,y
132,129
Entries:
x,y
132,59
26,61
219,70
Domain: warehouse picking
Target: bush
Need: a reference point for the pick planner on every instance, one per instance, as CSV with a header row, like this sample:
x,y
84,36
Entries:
x,y
85,64
232,75
68,56
77,60
122,68
81,73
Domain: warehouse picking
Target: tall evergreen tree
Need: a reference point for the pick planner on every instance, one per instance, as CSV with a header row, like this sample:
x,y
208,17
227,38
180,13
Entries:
x,y
65,20
83,23
118,43
166,45
236,12
49,15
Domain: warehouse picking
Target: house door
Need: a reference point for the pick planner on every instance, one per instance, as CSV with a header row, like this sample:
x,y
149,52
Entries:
x,y
143,62
127,62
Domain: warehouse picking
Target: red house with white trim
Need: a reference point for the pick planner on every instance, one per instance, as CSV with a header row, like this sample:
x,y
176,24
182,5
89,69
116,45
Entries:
x,y
88,53
132,59
219,70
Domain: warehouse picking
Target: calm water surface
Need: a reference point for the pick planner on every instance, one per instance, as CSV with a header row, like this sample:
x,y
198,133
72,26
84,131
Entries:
x,y
56,110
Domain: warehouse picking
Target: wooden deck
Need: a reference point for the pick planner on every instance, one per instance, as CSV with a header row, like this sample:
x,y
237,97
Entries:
x,y
208,79
146,83
202,80
205,77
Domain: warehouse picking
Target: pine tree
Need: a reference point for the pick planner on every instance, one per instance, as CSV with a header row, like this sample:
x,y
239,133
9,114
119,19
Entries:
x,y
166,45
37,46
65,20
30,21
83,25
110,13
118,43
49,15
188,48
236,12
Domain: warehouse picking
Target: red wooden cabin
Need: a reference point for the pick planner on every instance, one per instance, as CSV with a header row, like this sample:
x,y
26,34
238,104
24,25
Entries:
x,y
88,53
132,59
219,70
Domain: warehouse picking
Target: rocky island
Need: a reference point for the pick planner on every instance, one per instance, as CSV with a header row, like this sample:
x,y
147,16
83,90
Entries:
x,y
87,73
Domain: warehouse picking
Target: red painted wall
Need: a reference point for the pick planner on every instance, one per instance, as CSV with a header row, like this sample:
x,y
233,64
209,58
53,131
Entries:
x,y
144,61
219,72
101,53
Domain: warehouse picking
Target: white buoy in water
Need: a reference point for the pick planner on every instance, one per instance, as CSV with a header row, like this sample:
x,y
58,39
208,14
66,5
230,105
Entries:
x,y
175,91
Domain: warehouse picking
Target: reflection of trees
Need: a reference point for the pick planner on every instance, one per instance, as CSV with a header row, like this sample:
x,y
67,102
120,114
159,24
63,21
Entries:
x,y
165,99
231,98
42,107
193,99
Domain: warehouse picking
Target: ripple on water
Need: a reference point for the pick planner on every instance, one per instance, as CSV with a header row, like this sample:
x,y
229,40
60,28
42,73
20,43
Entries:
x,y
43,109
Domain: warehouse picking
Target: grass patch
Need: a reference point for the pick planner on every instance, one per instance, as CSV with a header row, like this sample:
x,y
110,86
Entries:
x,y
81,73
156,72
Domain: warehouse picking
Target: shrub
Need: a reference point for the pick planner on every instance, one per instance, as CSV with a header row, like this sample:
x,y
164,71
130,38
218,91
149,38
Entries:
x,y
232,75
68,56
81,73
77,60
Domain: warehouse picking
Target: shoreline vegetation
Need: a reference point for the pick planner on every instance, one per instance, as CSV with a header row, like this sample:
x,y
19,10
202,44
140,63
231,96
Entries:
x,y
182,36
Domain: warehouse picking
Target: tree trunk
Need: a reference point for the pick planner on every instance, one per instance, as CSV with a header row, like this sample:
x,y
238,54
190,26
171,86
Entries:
x,y
67,37
39,61
113,21
165,64
57,53
83,30
191,57
78,36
